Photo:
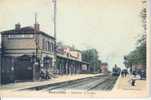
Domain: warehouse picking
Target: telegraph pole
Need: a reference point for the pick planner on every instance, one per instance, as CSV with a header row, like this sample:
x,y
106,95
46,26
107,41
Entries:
x,y
36,43
54,29
54,16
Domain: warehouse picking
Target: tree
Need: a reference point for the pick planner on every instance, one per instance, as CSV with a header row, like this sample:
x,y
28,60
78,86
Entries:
x,y
91,56
138,56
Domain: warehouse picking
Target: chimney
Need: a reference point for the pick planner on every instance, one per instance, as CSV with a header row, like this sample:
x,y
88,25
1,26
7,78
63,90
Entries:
x,y
17,26
36,27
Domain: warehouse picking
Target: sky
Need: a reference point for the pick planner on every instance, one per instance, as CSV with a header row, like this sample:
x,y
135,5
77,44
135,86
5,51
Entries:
x,y
110,26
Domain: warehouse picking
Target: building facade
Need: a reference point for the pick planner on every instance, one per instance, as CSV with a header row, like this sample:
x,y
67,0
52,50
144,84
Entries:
x,y
104,68
69,60
29,50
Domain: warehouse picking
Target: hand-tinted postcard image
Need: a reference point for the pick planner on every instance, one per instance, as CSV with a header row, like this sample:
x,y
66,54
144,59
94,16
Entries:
x,y
74,48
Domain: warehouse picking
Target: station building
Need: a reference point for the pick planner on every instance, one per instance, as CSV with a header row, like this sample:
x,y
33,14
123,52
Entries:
x,y
69,60
26,50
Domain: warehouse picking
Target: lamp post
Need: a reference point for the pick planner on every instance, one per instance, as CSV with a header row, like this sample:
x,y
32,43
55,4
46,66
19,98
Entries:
x,y
35,58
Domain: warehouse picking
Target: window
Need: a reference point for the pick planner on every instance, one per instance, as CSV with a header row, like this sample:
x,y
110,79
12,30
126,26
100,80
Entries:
x,y
43,44
47,46
52,47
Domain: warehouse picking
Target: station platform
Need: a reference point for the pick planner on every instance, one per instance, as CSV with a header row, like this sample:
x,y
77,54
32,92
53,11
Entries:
x,y
124,88
60,78
125,84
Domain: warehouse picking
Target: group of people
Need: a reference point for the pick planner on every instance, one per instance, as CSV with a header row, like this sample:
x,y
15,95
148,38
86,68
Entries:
x,y
133,78
44,74
124,73
134,75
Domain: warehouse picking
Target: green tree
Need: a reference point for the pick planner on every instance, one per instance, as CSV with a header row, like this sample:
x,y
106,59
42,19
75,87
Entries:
x,y
91,56
138,56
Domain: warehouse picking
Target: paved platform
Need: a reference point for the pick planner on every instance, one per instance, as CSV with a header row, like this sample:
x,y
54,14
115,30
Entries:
x,y
60,78
125,89
124,84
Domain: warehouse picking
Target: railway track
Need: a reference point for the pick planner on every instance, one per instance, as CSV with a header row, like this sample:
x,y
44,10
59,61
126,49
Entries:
x,y
88,84
71,84
106,85
100,82
80,85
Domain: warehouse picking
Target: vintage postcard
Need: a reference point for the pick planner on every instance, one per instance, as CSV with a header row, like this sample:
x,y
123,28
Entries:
x,y
74,48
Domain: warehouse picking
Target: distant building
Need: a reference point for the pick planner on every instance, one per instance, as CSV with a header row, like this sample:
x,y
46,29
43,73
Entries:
x,y
138,68
104,67
29,50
